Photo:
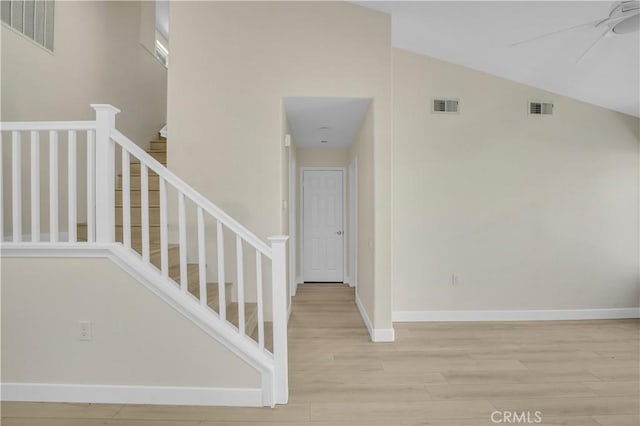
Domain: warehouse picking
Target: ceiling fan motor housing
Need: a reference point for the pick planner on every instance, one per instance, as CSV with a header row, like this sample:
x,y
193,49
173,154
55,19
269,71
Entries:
x,y
624,17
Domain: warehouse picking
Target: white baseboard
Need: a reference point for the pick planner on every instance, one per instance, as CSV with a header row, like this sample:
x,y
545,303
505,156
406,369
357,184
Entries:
x,y
377,334
108,394
522,315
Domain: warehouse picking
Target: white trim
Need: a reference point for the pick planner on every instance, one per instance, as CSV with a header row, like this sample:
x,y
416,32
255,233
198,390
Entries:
x,y
190,307
291,210
377,334
344,218
522,315
353,222
47,125
45,237
381,335
109,394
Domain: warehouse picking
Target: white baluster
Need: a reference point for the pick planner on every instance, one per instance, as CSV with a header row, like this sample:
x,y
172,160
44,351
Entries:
x,y
53,186
105,172
182,229
72,187
202,257
164,247
279,300
126,199
91,186
35,186
16,185
240,283
259,299
144,211
222,303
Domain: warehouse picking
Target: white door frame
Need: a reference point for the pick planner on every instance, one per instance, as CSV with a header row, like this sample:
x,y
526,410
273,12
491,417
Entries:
x,y
344,218
293,209
353,222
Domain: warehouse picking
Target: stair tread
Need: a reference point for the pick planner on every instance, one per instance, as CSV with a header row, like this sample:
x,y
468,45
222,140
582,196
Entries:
x,y
250,315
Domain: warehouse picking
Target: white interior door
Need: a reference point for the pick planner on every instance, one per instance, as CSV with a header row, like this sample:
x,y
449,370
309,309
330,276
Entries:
x,y
323,233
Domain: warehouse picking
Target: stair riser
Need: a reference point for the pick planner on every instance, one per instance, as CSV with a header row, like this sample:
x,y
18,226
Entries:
x,y
212,294
136,231
136,216
250,315
157,146
174,257
160,156
135,198
135,182
192,275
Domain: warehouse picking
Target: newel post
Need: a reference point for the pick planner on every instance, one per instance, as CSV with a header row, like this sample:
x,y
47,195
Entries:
x,y
105,172
279,300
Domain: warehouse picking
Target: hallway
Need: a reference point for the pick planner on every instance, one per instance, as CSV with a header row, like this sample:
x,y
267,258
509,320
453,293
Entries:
x,y
572,372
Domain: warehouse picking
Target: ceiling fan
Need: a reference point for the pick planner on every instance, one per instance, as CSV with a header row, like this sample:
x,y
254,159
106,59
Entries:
x,y
624,18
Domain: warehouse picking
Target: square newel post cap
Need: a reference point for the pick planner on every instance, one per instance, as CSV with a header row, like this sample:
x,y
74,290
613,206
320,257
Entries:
x,y
278,239
105,108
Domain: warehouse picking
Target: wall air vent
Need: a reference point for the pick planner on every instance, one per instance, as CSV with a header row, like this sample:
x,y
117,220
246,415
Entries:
x,y
446,105
540,108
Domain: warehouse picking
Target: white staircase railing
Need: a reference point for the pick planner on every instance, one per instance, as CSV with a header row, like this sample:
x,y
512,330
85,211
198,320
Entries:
x,y
95,151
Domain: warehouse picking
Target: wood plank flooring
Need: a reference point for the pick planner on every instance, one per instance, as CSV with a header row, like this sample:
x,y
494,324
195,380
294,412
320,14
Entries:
x,y
573,372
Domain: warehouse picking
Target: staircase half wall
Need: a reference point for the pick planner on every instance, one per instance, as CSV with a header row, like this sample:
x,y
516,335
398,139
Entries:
x,y
141,349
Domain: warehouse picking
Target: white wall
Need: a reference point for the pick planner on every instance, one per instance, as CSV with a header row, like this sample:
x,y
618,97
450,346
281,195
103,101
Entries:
x,y
530,212
137,339
231,65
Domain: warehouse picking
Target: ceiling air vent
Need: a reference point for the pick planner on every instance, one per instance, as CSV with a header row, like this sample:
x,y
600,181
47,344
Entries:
x,y
446,105
540,108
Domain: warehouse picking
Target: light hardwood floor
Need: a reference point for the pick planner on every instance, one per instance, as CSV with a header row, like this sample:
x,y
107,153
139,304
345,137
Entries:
x,y
573,372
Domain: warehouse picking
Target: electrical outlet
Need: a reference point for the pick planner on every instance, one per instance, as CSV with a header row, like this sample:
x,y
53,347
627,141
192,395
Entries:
x,y
455,279
85,330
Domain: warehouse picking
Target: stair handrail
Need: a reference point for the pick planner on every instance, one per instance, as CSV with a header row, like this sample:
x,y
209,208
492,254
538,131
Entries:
x,y
190,192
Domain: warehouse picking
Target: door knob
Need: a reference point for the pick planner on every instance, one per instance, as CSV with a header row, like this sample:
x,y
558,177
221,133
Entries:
x,y
339,233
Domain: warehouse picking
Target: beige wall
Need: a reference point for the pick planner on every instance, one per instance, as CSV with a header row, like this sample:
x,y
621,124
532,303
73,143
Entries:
x,y
531,212
137,339
323,157
231,65
362,150
97,58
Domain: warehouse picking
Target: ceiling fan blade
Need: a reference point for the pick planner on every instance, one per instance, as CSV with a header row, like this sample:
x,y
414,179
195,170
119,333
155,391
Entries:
x,y
594,44
529,40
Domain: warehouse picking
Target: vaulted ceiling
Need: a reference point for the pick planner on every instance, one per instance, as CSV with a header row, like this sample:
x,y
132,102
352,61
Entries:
x,y
480,35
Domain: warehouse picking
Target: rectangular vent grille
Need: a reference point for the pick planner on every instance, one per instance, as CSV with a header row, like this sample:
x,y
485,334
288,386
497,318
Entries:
x,y
540,108
446,105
